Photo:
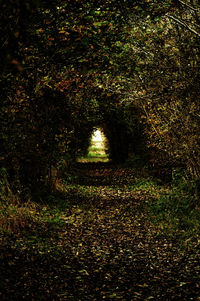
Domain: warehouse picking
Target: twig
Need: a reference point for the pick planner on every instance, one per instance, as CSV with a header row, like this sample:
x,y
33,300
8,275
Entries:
x,y
186,4
184,25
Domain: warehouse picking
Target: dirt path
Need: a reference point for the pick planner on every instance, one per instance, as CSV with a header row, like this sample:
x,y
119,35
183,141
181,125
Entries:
x,y
103,248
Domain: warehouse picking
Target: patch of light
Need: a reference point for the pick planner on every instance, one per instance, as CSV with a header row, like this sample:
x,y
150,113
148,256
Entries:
x,y
97,136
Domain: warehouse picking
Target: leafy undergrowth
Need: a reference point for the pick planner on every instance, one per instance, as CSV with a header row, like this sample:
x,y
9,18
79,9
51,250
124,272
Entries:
x,y
107,234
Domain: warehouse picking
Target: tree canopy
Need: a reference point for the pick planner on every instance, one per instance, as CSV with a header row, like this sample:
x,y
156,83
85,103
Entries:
x,y
130,67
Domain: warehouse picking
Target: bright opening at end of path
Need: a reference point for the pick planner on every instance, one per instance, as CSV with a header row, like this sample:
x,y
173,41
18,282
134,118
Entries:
x,y
97,136
97,149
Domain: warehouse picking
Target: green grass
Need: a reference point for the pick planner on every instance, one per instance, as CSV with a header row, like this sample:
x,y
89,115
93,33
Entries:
x,y
96,153
173,210
81,231
144,185
177,212
96,149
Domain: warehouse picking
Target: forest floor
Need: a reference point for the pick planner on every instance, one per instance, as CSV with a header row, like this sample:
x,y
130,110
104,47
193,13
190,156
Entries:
x,y
97,238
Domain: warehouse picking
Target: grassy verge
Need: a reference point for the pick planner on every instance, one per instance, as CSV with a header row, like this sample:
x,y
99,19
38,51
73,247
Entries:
x,y
177,212
172,210
102,231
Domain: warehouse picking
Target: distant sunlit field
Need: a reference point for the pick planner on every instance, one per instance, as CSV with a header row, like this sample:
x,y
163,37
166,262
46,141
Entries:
x,y
97,149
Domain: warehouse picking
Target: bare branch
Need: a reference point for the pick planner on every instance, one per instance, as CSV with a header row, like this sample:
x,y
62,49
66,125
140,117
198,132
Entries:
x,y
191,7
181,22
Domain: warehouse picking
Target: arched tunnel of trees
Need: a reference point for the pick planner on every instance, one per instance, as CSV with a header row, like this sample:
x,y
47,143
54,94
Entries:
x,y
66,69
129,69
120,143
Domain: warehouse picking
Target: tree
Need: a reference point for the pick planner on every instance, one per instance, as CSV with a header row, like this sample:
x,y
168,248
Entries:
x,y
128,65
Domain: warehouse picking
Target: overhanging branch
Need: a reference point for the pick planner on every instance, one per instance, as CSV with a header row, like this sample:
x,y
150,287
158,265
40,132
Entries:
x,y
181,22
188,5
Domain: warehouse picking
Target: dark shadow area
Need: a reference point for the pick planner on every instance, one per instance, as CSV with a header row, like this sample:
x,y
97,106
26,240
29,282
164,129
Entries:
x,y
73,269
99,174
108,174
97,245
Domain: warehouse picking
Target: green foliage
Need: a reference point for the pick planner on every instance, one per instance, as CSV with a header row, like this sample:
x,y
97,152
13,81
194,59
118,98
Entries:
x,y
67,68
178,212
131,68
97,151
143,184
99,229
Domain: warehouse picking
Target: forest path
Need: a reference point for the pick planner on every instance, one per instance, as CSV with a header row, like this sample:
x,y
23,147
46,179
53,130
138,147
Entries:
x,y
103,245
124,255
